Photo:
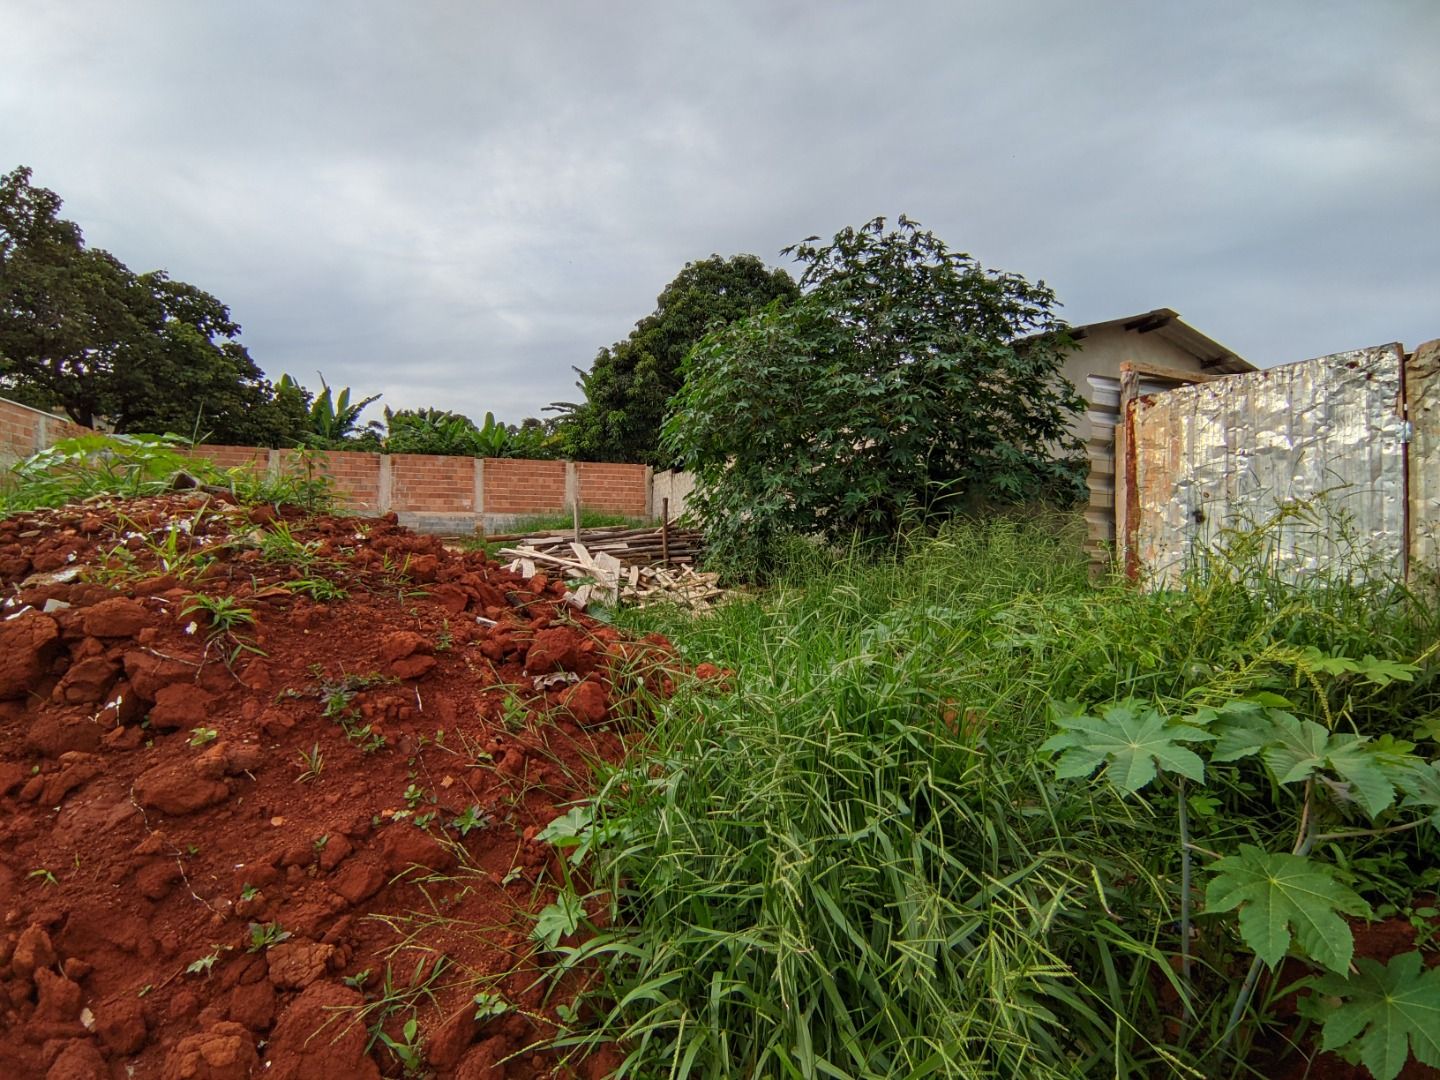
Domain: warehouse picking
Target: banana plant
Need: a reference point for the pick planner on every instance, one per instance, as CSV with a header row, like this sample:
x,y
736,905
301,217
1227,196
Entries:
x,y
492,439
334,419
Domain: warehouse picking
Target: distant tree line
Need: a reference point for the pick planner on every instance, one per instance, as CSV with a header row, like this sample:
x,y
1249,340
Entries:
x,y
896,381
628,388
83,334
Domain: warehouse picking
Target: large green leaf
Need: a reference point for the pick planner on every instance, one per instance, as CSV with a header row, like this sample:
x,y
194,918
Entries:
x,y
1132,744
1420,782
1241,729
1279,894
1298,748
557,920
1295,749
1390,1010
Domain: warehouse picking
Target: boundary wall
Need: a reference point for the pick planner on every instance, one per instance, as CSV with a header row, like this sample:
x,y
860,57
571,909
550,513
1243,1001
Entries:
x,y
430,493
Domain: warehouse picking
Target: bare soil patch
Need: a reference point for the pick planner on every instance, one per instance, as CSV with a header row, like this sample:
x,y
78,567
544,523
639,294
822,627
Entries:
x,y
251,850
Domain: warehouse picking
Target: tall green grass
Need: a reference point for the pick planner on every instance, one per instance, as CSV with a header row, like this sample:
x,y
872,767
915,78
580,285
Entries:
x,y
853,864
134,466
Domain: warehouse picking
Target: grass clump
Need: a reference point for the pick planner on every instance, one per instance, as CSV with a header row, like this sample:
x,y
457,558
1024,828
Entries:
x,y
856,864
130,466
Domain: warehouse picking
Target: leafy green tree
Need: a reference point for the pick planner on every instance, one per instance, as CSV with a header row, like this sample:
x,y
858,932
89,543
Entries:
x,y
80,331
536,439
628,387
906,382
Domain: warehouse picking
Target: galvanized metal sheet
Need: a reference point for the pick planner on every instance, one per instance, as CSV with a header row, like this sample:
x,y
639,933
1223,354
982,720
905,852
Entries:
x,y
1325,433
1422,394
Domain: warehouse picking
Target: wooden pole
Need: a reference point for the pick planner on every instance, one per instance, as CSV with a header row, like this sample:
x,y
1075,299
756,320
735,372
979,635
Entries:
x,y
665,530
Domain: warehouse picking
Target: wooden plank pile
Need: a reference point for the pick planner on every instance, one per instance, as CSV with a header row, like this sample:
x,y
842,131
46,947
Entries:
x,y
602,577
632,546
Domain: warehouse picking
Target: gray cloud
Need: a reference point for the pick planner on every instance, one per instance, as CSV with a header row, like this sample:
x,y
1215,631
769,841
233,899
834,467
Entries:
x,y
452,203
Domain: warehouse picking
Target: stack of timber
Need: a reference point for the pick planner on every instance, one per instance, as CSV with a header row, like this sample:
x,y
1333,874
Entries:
x,y
644,546
603,578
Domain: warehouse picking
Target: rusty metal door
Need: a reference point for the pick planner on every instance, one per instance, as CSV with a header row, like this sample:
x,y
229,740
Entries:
x,y
1328,433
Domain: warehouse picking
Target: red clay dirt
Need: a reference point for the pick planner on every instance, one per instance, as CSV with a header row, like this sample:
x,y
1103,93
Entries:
x,y
251,852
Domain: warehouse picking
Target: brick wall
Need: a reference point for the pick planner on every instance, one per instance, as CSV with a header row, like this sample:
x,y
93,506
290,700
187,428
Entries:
x,y
432,483
422,488
356,476
517,486
25,431
18,426
619,489
233,457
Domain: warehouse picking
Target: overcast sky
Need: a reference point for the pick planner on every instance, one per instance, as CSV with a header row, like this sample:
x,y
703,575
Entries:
x,y
451,203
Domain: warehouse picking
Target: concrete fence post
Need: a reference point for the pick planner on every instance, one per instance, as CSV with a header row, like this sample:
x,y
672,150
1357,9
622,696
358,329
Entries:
x,y
383,488
479,495
272,464
649,493
572,486
42,432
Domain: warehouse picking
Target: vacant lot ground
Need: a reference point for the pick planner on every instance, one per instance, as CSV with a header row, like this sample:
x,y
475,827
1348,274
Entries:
x,y
269,793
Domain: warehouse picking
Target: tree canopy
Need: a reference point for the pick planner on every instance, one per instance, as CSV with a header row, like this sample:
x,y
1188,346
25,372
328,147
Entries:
x,y
81,332
906,382
629,386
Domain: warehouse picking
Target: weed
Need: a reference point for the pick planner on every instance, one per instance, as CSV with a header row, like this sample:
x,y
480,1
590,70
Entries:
x,y
279,544
312,764
225,616
75,469
336,697
202,736
317,588
304,482
407,1049
174,550
514,713
489,1004
44,875
558,920
472,818
396,994
249,892
263,935
203,965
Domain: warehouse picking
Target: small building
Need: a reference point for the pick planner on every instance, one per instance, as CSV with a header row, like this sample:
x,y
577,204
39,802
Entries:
x,y
1165,352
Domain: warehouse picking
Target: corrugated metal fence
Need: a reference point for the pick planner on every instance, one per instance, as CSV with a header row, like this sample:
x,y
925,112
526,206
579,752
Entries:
x,y
1356,433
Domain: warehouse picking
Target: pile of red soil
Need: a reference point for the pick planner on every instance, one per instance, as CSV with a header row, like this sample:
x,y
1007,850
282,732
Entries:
x,y
252,851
